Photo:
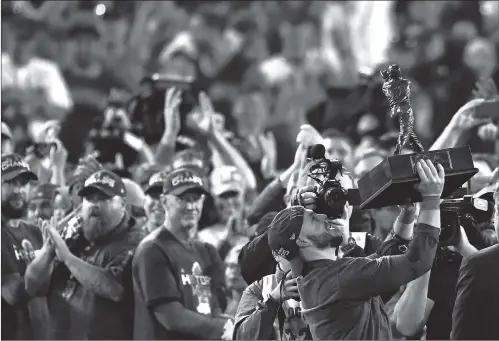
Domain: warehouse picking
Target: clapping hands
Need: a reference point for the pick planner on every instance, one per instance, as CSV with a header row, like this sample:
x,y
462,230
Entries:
x,y
173,99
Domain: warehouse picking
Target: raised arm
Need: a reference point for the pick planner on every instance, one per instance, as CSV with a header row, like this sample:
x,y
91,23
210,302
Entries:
x,y
372,276
166,147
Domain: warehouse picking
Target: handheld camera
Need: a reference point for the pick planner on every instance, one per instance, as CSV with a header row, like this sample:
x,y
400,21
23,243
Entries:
x,y
331,196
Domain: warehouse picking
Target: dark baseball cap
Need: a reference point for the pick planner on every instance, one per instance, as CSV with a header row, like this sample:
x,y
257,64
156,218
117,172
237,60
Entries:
x,y
285,230
13,165
105,182
156,182
184,180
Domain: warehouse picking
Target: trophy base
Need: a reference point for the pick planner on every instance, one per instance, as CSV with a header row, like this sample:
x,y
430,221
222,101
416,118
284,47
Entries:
x,y
392,181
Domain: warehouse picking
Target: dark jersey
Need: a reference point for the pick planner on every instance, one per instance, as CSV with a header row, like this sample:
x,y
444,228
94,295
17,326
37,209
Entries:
x,y
28,317
76,311
166,270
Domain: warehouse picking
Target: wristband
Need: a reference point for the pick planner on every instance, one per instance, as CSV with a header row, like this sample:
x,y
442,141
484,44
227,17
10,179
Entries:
x,y
431,203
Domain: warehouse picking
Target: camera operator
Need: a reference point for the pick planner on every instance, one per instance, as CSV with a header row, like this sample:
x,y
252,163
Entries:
x,y
476,310
90,293
340,295
256,258
178,281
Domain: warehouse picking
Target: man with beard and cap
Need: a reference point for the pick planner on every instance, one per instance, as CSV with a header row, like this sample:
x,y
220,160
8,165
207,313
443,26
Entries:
x,y
41,203
340,295
90,294
22,316
178,281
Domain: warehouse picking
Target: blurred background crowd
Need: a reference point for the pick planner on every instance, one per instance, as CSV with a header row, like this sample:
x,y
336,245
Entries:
x,y
269,65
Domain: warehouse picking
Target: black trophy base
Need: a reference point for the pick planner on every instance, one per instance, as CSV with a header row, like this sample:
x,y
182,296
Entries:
x,y
392,181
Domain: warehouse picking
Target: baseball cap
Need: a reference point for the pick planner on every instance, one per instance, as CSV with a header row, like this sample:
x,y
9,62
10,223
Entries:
x,y
156,182
285,230
106,182
43,191
13,165
189,158
183,180
6,131
226,179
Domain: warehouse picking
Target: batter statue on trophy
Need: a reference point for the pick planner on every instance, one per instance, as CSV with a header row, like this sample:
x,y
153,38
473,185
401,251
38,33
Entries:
x,y
398,92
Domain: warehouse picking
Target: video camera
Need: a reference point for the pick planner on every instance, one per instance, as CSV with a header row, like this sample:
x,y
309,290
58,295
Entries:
x,y
331,196
108,133
146,109
467,212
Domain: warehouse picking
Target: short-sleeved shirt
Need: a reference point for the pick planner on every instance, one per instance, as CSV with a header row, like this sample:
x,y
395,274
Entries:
x,y
26,320
79,313
166,270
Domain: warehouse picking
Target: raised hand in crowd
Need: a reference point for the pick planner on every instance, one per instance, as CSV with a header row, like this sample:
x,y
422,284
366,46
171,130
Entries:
x,y
173,99
268,165
486,89
462,121
166,147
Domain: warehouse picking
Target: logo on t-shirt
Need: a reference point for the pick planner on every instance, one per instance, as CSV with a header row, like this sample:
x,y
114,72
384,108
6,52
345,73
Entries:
x,y
201,287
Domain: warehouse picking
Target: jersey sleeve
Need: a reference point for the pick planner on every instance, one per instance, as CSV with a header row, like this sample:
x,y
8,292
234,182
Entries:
x,y
153,275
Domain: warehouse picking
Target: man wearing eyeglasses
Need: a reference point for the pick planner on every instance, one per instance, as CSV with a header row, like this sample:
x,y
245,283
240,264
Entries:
x,y
177,279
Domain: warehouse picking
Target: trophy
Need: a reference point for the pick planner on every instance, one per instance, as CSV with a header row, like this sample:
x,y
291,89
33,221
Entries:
x,y
392,181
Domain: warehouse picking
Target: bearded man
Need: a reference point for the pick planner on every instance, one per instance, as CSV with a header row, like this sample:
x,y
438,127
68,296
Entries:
x,y
22,316
90,293
340,295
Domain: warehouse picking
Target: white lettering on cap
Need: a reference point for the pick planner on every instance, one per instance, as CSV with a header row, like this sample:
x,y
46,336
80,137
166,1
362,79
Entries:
x,y
187,178
105,180
14,163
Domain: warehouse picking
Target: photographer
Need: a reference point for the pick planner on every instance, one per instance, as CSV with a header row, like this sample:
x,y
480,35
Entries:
x,y
340,296
90,293
476,310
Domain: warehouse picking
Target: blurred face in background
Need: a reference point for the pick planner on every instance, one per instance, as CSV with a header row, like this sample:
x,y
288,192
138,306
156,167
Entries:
x,y
481,57
298,40
40,209
86,49
181,66
363,166
154,210
228,204
339,148
62,206
250,111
